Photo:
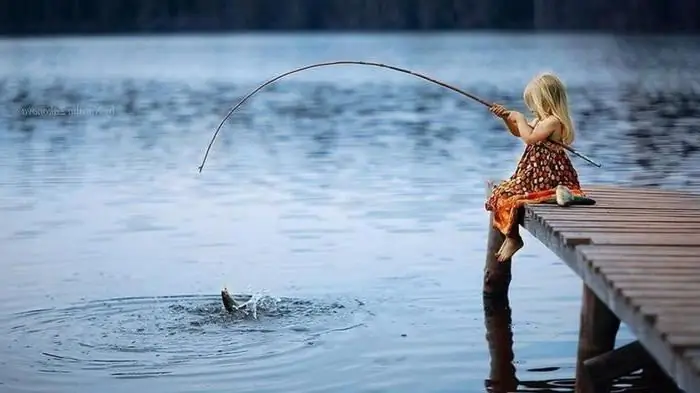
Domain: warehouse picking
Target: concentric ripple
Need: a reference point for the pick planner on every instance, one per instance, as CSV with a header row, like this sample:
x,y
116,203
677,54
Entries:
x,y
192,336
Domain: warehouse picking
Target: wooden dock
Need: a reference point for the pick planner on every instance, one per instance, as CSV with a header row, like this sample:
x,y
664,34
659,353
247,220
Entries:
x,y
637,252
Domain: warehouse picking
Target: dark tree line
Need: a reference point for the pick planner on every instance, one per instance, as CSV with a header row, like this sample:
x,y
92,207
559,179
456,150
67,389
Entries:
x,y
28,17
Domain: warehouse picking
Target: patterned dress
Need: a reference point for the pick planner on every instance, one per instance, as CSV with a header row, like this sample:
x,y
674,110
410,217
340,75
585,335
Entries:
x,y
542,167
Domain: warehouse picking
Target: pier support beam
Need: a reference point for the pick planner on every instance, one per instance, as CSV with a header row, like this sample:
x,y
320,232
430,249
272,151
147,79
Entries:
x,y
597,332
658,381
602,370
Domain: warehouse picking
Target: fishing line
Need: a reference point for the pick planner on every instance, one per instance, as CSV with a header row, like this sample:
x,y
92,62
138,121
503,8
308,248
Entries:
x,y
367,63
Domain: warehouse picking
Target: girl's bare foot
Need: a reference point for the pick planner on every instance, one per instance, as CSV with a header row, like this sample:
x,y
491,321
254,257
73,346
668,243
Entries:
x,y
500,250
510,247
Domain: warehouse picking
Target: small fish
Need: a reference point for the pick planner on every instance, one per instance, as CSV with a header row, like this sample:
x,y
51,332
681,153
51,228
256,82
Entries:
x,y
230,304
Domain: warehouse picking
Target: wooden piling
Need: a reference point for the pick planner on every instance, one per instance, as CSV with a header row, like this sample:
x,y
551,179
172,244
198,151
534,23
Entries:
x,y
497,275
598,328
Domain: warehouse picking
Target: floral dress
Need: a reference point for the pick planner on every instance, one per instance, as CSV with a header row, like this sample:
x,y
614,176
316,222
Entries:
x,y
542,167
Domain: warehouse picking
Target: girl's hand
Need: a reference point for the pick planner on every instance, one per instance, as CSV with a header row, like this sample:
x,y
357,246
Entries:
x,y
499,110
516,116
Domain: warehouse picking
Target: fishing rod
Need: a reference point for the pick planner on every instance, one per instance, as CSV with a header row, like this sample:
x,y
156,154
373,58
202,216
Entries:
x,y
368,63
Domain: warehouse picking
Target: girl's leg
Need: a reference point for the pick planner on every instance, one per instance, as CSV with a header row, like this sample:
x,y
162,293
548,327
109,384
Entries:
x,y
513,241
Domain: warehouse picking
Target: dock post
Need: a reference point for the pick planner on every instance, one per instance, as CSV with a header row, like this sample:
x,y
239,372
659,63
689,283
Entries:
x,y
597,333
497,275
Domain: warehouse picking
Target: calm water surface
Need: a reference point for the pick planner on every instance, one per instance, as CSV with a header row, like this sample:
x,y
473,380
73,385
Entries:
x,y
347,200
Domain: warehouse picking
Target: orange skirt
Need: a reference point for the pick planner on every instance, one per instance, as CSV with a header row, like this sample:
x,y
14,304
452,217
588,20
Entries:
x,y
505,208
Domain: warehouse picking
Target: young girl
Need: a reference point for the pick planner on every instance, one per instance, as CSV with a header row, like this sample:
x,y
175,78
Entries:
x,y
543,166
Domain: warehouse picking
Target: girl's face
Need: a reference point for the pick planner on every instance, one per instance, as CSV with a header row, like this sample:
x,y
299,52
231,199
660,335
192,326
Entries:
x,y
527,95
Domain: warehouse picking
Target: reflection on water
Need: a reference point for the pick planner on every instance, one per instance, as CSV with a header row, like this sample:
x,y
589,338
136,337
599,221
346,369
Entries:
x,y
331,186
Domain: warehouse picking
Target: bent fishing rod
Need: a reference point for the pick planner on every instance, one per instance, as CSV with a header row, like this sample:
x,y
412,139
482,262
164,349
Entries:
x,y
367,63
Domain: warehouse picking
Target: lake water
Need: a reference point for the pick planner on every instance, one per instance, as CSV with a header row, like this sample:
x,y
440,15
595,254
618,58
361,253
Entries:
x,y
348,200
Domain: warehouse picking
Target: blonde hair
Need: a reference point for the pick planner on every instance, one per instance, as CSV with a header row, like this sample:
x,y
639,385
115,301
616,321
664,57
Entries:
x,y
545,95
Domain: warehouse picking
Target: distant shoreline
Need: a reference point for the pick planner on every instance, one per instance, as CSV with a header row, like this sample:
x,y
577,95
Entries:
x,y
36,18
277,32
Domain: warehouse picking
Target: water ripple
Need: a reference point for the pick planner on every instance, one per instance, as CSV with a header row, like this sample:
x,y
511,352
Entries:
x,y
176,336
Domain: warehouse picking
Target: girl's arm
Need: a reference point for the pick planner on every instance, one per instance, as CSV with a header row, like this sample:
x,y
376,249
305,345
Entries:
x,y
539,133
503,113
512,126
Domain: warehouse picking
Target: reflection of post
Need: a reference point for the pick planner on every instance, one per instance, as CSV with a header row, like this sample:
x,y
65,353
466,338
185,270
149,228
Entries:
x,y
499,336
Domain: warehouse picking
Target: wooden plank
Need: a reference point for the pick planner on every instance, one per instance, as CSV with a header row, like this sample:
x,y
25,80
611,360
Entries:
x,y
671,199
576,214
649,195
683,319
599,207
630,227
651,191
611,204
637,190
647,261
683,340
652,312
575,211
640,203
641,283
643,294
693,355
639,231
663,200
668,304
644,261
625,225
640,270
646,197
651,267
613,187
623,200
611,218
628,192
623,278
642,251
678,337
663,239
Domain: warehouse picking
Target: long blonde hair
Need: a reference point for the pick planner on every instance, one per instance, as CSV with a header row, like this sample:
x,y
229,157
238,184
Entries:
x,y
545,95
